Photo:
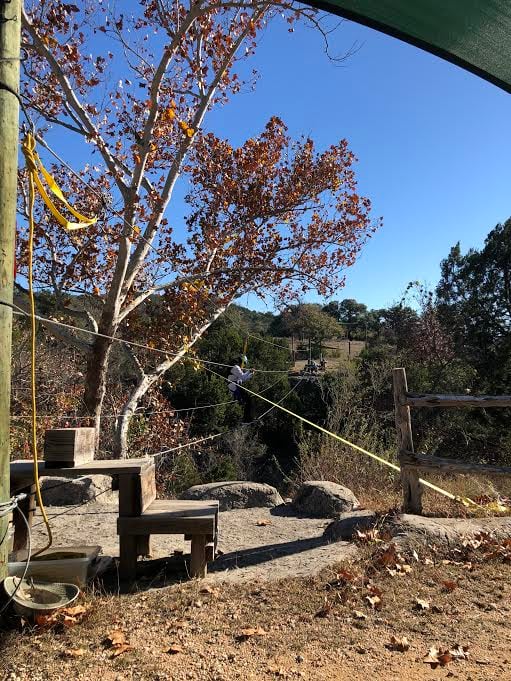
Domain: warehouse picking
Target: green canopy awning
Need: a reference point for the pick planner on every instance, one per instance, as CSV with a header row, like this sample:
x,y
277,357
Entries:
x,y
474,34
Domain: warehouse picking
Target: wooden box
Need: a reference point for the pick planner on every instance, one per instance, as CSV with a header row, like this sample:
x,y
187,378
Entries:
x,y
68,447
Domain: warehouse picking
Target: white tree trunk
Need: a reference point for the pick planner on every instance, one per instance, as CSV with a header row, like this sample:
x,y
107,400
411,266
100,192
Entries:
x,y
144,383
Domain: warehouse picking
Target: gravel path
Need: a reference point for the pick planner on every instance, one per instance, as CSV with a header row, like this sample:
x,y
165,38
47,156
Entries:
x,y
286,546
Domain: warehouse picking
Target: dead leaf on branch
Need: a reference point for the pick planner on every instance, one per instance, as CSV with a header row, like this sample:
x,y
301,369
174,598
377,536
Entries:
x,y
399,644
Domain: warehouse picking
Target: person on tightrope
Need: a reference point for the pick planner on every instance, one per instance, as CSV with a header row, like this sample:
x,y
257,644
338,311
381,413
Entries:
x,y
237,377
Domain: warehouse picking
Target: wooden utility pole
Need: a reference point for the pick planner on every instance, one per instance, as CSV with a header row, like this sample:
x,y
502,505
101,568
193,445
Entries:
x,y
10,36
412,489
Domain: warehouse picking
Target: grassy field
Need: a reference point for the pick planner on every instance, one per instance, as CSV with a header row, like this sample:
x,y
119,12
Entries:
x,y
343,351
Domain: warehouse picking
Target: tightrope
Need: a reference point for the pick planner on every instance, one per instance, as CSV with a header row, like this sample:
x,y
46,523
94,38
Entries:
x,y
466,501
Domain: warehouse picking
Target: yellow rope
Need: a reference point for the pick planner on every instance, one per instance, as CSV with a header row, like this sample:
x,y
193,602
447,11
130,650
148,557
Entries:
x,y
33,165
466,501
31,200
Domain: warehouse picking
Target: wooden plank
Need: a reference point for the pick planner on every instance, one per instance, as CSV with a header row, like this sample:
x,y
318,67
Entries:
x,y
419,400
147,481
28,507
23,469
198,563
412,490
183,507
451,465
137,491
127,558
166,524
68,447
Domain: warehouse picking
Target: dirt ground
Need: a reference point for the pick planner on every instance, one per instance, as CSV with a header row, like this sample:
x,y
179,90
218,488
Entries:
x,y
349,622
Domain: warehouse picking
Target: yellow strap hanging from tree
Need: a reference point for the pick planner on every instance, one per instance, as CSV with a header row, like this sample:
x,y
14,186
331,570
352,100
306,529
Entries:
x,y
35,166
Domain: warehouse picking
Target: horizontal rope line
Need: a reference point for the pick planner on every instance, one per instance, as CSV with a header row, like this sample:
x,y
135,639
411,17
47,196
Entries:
x,y
139,413
168,353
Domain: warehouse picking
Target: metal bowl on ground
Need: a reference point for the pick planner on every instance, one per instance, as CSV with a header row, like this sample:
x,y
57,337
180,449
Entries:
x,y
31,597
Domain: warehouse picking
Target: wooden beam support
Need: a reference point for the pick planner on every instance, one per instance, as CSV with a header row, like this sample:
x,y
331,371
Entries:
x,y
412,490
450,465
127,558
417,400
198,563
28,507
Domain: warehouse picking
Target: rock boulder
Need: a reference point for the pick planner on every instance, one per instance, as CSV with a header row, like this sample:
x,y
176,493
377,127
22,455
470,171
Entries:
x,y
236,494
344,527
68,492
322,499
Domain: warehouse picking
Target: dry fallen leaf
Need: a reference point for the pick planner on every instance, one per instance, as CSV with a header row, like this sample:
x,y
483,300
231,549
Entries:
x,y
174,649
116,637
75,611
325,610
116,640
263,523
437,657
359,615
249,632
459,652
119,650
374,602
399,644
66,617
210,590
449,585
421,604
73,652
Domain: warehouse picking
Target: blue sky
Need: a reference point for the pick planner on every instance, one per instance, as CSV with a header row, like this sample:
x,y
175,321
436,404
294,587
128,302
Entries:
x,y
433,143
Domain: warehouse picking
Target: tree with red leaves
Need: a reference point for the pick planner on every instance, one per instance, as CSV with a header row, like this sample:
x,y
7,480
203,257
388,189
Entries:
x,y
274,216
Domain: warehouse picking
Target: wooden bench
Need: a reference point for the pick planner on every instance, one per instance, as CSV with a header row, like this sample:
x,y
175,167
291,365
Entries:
x,y
196,520
140,514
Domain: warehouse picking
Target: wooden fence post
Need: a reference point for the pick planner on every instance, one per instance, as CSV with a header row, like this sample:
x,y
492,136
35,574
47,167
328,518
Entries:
x,y
412,490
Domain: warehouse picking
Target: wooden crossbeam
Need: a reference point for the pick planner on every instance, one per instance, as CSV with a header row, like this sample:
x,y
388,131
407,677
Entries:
x,y
450,465
418,400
